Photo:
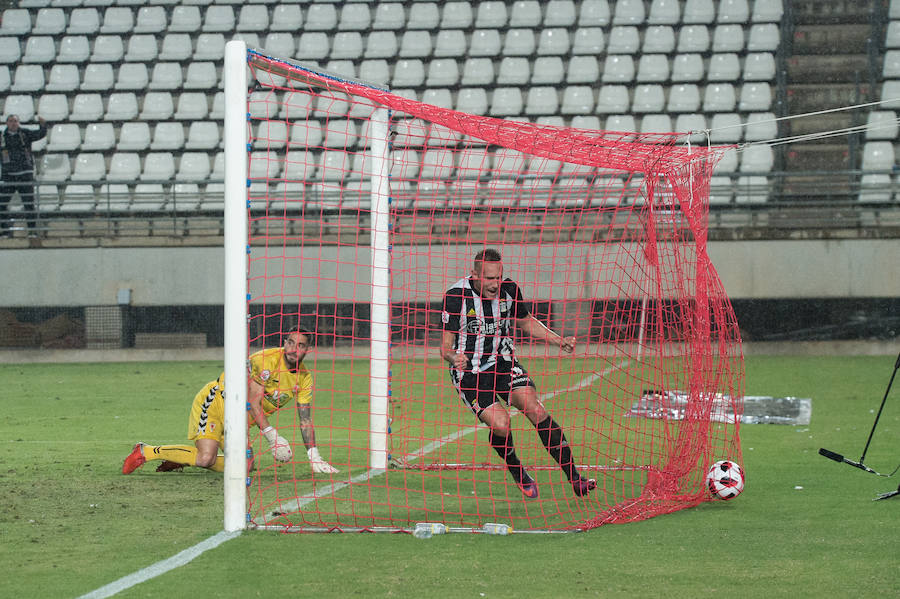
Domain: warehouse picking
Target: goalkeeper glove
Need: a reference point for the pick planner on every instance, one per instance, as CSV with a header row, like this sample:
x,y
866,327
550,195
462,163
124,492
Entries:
x,y
319,466
281,449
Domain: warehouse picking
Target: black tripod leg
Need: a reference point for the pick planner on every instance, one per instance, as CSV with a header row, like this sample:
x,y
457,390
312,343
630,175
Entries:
x,y
888,495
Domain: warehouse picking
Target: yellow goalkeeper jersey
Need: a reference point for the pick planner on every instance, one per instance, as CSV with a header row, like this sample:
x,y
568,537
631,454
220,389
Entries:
x,y
281,385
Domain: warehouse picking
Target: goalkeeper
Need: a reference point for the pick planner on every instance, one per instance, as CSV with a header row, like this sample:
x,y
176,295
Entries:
x,y
277,376
477,343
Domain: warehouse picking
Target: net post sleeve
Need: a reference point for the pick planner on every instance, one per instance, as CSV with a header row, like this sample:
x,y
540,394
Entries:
x,y
379,382
236,298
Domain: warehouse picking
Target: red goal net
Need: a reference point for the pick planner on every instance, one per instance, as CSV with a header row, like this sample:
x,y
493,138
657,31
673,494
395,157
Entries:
x,y
604,234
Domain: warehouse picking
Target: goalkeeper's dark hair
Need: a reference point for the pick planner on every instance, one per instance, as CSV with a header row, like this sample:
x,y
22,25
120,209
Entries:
x,y
310,336
488,255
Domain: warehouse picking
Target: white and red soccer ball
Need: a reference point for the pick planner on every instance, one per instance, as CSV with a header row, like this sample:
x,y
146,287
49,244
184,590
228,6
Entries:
x,y
725,479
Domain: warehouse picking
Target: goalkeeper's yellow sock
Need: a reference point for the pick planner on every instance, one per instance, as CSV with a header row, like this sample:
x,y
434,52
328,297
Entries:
x,y
180,454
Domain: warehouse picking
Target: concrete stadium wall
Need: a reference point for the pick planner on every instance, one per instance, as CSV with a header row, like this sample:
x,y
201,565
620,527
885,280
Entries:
x,y
856,268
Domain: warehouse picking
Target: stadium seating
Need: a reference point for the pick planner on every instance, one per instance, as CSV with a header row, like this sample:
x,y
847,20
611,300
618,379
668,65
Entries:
x,y
132,77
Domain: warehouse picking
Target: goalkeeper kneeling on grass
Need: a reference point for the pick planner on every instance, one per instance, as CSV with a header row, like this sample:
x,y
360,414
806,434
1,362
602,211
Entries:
x,y
277,376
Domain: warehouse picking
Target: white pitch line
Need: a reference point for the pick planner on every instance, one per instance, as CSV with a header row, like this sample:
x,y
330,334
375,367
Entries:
x,y
188,555
177,560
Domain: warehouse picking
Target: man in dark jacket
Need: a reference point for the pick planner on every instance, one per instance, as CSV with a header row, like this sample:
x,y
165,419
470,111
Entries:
x,y
18,169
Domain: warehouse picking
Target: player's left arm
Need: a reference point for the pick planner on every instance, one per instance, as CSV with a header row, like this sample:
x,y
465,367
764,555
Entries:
x,y
534,327
538,329
308,431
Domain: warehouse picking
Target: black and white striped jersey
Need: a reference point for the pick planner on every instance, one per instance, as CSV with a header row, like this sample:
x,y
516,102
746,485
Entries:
x,y
483,327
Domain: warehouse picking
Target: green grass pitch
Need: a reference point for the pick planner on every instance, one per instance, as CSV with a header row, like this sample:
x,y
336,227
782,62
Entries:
x,y
71,523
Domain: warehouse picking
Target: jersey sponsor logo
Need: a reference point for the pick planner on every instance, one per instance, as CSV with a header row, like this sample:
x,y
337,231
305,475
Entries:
x,y
279,398
480,327
504,308
265,374
471,312
445,317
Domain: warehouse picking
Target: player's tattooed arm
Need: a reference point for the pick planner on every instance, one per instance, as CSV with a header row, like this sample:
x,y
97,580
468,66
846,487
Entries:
x,y
306,425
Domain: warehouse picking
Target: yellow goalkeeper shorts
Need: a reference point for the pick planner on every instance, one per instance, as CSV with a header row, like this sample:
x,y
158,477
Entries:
x,y
207,419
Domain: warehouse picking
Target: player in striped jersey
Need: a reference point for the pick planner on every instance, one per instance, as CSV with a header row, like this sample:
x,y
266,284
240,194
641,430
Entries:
x,y
476,341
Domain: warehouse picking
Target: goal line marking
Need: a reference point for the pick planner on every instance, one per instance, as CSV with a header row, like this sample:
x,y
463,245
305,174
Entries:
x,y
188,555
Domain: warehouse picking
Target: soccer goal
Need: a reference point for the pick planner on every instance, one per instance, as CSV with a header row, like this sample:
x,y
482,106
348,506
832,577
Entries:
x,y
351,210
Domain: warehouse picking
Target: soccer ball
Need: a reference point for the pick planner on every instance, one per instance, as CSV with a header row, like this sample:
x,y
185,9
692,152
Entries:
x,y
725,479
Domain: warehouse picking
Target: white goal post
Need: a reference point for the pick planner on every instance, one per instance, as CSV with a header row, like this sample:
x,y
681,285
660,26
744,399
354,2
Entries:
x,y
238,294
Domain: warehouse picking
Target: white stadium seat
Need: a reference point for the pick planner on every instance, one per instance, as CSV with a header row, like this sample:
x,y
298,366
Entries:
x,y
485,42
210,46
629,12
203,135
10,50
15,22
684,97
664,12
121,106
878,155
167,136
761,126
450,42
763,37
74,48
560,13
39,49
87,107
613,99
20,104
98,137
755,97
698,11
5,80
553,41
28,78
693,38
142,48
321,17
192,106
525,13
282,44
687,68
478,71
381,44
253,17
134,137
347,44
354,17
719,97
623,39
620,122
201,75
541,100
54,107
108,48
132,76
583,69
54,168
760,66
83,21
653,67
193,166
588,40
491,14
547,69
618,68
472,100
882,124
408,73
724,67
757,158
423,15
514,70
151,19
176,47
506,101
648,97
726,127
313,45
185,19
117,19
728,38
219,18
518,42
695,124
594,13
770,11
577,100
376,71
656,123
157,106
389,16
270,135
166,75
49,21
124,166
659,39
98,76
442,72
64,137
158,165
733,11
286,17
89,167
